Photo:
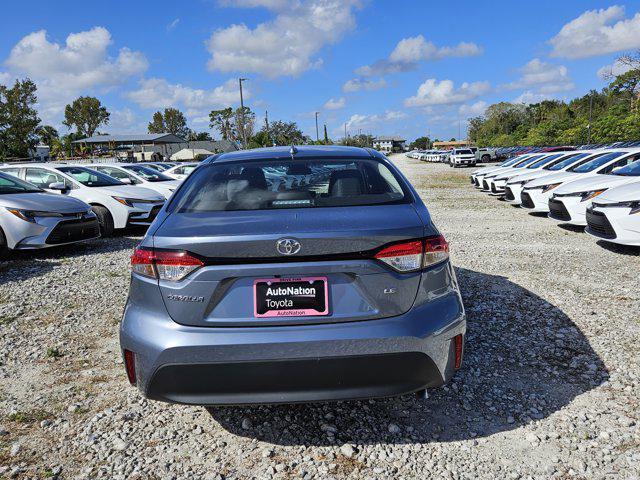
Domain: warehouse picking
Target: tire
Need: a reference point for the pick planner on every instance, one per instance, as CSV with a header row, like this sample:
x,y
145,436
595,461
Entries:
x,y
485,158
4,250
104,219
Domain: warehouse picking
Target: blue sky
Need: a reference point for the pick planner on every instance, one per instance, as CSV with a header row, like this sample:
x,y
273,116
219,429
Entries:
x,y
382,67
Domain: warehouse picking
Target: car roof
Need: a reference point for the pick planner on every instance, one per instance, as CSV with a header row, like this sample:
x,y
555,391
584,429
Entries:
x,y
302,151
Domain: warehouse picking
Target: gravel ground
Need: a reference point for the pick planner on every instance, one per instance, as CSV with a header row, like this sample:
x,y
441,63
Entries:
x,y
549,387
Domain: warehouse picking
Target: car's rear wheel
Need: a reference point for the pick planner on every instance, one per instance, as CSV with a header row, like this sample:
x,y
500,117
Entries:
x,y
104,219
486,158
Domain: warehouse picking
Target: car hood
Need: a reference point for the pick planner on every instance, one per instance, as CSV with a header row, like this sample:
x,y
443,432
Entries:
x,y
529,176
130,191
513,173
44,202
485,170
624,193
559,177
594,182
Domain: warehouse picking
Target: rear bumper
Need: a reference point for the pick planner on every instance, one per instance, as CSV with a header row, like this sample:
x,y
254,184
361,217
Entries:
x,y
283,364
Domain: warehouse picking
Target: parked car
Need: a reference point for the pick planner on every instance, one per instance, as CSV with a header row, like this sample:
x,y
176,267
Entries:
x,y
487,179
515,184
182,171
462,156
615,215
115,204
486,155
499,183
536,194
158,166
31,219
339,289
478,175
569,201
137,174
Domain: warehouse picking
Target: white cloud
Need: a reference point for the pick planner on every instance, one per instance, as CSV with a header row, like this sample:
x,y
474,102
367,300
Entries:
x,y
409,51
285,46
335,103
434,92
597,32
5,78
613,70
357,84
158,93
358,121
173,24
529,97
474,110
65,71
545,77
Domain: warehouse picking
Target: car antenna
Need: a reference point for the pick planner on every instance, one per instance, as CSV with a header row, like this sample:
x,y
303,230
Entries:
x,y
293,150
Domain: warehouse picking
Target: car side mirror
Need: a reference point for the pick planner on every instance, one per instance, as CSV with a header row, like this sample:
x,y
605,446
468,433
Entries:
x,y
58,186
126,181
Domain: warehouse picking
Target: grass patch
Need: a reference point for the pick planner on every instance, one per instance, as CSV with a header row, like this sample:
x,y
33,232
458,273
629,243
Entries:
x,y
53,352
29,417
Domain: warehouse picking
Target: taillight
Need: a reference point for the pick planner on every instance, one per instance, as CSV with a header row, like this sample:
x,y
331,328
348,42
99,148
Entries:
x,y
416,254
171,265
130,365
458,350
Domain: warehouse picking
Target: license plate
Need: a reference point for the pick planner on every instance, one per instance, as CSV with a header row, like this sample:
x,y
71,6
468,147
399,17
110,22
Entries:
x,y
290,297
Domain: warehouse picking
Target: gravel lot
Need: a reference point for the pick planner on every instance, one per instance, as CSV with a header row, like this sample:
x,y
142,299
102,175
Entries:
x,y
549,387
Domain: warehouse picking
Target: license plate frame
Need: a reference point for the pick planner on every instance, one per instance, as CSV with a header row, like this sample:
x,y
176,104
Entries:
x,y
304,308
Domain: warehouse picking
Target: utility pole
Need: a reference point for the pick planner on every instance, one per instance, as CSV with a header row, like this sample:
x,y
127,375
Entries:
x,y
244,140
326,136
589,124
266,125
458,129
345,130
317,134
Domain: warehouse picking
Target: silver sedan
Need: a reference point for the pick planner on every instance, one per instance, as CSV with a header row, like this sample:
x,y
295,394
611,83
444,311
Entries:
x,y
30,218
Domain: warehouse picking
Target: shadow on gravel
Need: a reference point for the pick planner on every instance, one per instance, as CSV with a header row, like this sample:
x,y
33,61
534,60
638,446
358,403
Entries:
x,y
571,228
524,360
621,249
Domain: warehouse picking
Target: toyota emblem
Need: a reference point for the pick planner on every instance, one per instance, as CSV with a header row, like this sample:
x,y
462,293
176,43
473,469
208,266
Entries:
x,y
288,246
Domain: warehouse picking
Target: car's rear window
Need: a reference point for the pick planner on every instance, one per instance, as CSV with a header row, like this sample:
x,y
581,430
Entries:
x,y
278,184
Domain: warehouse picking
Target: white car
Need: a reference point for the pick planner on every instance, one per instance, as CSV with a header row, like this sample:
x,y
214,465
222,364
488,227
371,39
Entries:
x,y
570,201
30,218
115,204
537,193
499,182
516,184
182,171
478,175
462,156
139,175
615,215
487,180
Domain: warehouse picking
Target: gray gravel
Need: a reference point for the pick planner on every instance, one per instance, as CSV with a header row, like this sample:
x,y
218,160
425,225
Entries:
x,y
549,387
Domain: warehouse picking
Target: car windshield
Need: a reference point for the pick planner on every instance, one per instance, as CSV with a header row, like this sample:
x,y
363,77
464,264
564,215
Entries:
x,y
464,152
156,166
596,162
10,185
147,173
90,178
513,161
528,161
277,184
565,162
631,170
544,160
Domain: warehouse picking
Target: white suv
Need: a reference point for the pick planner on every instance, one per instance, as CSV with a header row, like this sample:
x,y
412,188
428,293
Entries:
x,y
115,204
462,156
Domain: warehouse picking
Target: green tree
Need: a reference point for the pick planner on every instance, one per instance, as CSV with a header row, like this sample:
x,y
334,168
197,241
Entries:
x,y
287,133
47,134
18,119
198,136
420,143
234,125
171,120
86,114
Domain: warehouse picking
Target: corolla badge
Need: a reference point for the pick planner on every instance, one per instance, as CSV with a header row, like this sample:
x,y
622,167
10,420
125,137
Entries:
x,y
288,246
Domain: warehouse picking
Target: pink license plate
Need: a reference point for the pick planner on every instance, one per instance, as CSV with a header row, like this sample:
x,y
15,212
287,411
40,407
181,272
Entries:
x,y
290,297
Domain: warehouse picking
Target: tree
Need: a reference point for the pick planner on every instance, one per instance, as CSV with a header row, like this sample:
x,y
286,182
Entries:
x,y
86,114
47,134
234,125
286,133
222,121
198,136
18,119
420,143
171,120
362,140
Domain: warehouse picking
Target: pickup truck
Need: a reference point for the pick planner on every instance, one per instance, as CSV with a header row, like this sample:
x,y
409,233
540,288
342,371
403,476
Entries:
x,y
486,155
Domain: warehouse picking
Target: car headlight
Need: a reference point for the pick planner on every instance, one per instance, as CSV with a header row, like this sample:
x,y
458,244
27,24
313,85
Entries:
x,y
634,205
30,215
584,196
551,186
128,202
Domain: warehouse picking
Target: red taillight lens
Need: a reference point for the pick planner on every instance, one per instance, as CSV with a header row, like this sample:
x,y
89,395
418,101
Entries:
x,y
414,255
436,250
164,264
404,257
130,365
458,346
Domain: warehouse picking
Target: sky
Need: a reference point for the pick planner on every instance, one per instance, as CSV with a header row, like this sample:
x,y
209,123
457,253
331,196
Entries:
x,y
407,68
